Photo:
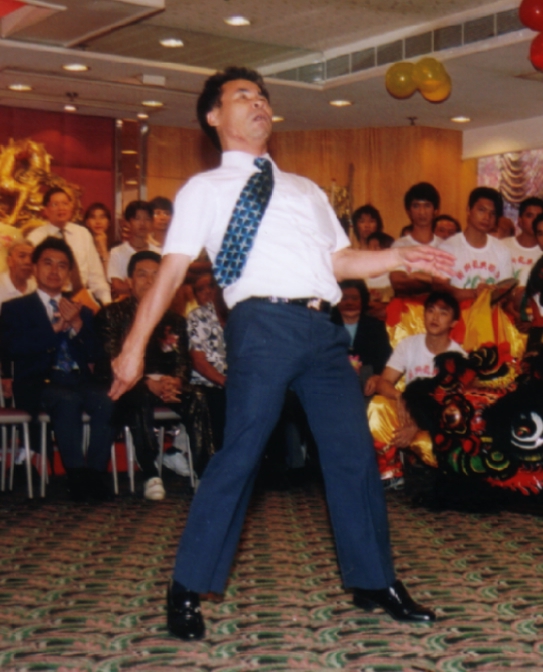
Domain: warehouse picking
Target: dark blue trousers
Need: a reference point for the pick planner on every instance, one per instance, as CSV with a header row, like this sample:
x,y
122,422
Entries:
x,y
271,347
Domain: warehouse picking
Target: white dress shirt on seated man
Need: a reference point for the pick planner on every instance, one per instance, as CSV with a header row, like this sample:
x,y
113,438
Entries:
x,y
8,290
88,261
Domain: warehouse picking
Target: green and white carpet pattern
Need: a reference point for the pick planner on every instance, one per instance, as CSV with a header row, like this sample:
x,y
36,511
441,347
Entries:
x,y
83,588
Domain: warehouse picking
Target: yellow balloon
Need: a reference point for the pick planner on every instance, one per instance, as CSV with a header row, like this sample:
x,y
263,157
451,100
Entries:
x,y
399,80
441,93
429,75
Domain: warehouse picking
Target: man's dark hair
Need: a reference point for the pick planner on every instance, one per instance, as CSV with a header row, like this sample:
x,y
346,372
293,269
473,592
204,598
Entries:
x,y
536,220
447,299
51,243
212,91
142,255
162,203
132,208
448,218
51,192
527,202
362,289
385,241
489,194
423,191
367,209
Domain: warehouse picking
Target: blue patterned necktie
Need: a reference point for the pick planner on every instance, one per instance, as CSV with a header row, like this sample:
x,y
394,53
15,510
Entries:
x,y
243,225
64,362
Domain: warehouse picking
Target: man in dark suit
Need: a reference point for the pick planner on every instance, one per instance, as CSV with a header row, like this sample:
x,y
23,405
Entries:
x,y
50,342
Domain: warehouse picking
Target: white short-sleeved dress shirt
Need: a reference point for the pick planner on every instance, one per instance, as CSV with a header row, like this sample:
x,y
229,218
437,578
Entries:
x,y
89,265
292,252
8,290
119,257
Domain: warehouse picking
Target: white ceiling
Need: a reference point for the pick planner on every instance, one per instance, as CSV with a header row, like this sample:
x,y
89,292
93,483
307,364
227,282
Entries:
x,y
118,39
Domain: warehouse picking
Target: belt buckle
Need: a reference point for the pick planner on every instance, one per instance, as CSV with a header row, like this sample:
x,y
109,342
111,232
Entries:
x,y
315,304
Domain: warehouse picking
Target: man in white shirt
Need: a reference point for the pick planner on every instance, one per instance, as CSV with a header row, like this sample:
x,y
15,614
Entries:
x,y
279,334
524,248
162,209
421,203
139,217
481,259
58,209
17,280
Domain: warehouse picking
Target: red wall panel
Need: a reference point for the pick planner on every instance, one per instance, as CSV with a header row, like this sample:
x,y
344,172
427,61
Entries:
x,y
82,147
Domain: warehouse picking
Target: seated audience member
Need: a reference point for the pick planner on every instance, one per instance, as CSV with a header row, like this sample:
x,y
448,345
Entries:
x,y
369,349
391,425
421,205
97,219
166,375
88,272
480,259
139,217
162,209
366,220
51,342
379,286
445,226
208,352
17,280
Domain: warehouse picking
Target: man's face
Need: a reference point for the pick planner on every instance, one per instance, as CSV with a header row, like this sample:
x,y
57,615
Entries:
x,y
204,290
243,117
143,278
439,319
140,225
59,209
421,213
52,271
445,229
161,219
482,216
527,217
20,262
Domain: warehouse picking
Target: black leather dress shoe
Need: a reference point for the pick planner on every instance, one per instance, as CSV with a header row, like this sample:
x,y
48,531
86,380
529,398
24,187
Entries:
x,y
395,601
185,618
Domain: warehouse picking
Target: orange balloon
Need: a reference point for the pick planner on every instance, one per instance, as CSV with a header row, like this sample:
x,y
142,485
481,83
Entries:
x,y
429,75
441,93
399,80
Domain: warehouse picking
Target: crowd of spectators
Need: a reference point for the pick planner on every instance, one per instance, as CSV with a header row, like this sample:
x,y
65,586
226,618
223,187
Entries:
x,y
68,298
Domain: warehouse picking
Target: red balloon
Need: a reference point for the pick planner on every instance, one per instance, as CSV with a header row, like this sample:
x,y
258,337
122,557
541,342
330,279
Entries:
x,y
531,14
536,52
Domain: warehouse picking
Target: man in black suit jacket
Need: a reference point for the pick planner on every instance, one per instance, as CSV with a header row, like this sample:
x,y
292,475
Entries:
x,y
50,343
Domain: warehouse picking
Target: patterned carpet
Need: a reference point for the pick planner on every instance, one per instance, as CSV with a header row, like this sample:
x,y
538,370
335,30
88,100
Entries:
x,y
82,588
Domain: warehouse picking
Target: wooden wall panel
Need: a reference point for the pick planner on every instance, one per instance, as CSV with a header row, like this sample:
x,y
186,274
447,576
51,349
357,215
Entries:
x,y
385,162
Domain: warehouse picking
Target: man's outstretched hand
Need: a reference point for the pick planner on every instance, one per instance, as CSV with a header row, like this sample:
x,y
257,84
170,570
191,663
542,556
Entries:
x,y
429,259
127,370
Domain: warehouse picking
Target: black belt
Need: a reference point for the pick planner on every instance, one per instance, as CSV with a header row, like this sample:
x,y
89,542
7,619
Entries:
x,y
312,303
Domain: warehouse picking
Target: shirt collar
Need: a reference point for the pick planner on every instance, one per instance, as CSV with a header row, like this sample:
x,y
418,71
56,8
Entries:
x,y
241,159
46,298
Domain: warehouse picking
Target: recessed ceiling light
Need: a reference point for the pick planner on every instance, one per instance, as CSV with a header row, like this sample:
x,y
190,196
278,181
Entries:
x,y
70,108
143,115
131,182
237,20
276,118
171,42
152,103
128,151
341,103
19,87
460,119
76,67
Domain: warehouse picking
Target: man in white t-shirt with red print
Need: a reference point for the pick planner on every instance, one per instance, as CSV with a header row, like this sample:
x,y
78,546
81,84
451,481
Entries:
x,y
481,260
